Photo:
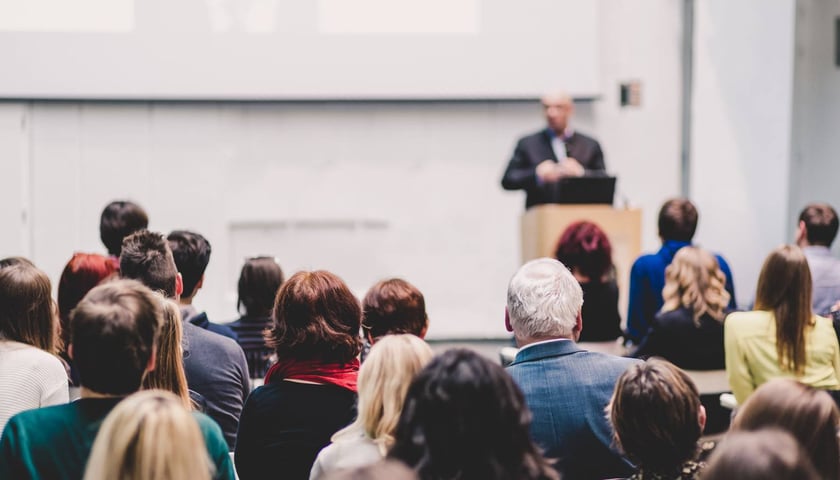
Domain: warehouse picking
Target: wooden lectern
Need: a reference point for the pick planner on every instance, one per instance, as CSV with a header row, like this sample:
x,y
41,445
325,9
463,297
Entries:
x,y
543,224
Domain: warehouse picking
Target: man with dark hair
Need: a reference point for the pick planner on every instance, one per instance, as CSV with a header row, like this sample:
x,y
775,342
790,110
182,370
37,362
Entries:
x,y
120,219
391,307
215,365
113,333
677,224
815,233
192,254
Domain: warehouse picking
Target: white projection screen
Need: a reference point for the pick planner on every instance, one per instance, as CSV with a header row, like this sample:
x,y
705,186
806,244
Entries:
x,y
297,49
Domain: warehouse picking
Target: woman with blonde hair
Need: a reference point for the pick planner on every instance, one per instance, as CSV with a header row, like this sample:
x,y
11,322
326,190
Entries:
x,y
383,382
149,436
688,331
809,414
169,359
781,337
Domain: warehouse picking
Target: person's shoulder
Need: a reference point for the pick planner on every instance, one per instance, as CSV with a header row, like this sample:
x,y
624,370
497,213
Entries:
x,y
585,138
539,136
748,321
645,261
209,428
200,337
606,362
679,316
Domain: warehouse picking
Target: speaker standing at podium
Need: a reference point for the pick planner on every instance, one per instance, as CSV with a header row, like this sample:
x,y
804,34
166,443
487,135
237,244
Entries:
x,y
541,160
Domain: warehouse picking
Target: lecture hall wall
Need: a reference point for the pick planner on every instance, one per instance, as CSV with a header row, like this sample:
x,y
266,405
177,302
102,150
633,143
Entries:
x,y
376,189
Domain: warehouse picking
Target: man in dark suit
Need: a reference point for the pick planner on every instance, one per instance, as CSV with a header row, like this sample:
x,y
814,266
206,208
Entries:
x,y
542,159
566,387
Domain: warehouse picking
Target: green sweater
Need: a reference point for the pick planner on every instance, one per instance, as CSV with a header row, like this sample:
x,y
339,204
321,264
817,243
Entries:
x,y
55,442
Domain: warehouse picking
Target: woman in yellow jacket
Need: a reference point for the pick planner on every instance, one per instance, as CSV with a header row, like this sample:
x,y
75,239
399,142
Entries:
x,y
781,337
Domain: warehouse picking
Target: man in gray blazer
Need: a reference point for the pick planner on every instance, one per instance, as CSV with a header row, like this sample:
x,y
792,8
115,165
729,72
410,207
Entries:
x,y
566,388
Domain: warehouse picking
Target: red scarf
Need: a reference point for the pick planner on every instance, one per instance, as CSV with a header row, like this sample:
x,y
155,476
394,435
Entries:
x,y
339,374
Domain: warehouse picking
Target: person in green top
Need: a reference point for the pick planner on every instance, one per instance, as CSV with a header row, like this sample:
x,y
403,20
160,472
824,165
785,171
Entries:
x,y
113,336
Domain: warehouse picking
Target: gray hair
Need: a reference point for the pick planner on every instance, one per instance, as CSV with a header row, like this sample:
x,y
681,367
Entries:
x,y
543,300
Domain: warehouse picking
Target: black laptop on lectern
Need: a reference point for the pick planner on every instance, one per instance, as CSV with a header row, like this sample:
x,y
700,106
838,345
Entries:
x,y
584,190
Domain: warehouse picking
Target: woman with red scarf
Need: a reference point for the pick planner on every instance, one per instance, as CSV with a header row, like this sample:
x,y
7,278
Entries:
x,y
310,392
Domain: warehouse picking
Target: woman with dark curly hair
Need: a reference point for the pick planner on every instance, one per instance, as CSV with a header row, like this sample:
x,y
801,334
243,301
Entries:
x,y
585,250
465,418
310,392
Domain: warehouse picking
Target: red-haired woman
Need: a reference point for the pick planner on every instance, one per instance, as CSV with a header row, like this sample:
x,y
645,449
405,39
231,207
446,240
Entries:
x,y
585,250
310,393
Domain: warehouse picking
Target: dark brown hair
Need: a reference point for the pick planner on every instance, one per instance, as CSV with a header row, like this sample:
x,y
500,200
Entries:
x,y
316,317
191,252
27,311
820,223
807,413
113,331
120,219
759,455
654,411
146,257
394,306
678,220
259,281
784,288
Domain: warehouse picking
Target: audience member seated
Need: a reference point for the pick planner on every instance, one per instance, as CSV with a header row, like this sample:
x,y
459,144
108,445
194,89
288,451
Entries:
x,y
658,419
191,252
31,375
809,414
567,388
464,417
392,306
677,224
169,373
759,455
384,470
120,219
83,272
585,249
383,382
113,331
310,393
781,338
814,235
688,331
150,435
215,365
259,281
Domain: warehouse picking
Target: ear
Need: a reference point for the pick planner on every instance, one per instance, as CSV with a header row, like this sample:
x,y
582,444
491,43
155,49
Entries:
x,y
199,284
801,233
507,321
369,336
150,366
701,417
425,328
179,286
578,327
70,351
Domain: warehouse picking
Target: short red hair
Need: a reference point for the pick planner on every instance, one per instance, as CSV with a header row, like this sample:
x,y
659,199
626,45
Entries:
x,y
83,272
584,247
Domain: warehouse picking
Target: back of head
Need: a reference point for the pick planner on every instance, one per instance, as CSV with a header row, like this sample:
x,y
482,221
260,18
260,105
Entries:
x,y
191,252
394,306
384,470
259,281
316,317
10,261
585,248
113,332
146,257
655,412
169,372
759,455
678,220
120,219
383,382
464,417
544,300
26,308
821,223
809,414
149,435
784,288
694,280
83,272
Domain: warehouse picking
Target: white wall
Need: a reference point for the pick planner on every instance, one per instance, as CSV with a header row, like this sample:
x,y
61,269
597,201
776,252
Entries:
x,y
741,141
815,162
366,189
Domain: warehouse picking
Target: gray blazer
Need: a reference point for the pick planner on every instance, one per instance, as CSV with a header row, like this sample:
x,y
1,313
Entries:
x,y
567,390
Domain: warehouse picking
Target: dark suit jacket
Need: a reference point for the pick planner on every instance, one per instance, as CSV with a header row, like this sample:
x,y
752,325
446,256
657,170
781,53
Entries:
x,y
530,151
674,337
567,389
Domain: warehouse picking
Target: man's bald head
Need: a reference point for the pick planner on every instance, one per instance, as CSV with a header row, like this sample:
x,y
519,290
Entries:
x,y
558,108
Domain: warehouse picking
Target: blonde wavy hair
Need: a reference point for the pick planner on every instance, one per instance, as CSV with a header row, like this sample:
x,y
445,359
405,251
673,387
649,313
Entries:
x,y
149,436
383,382
694,280
169,359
